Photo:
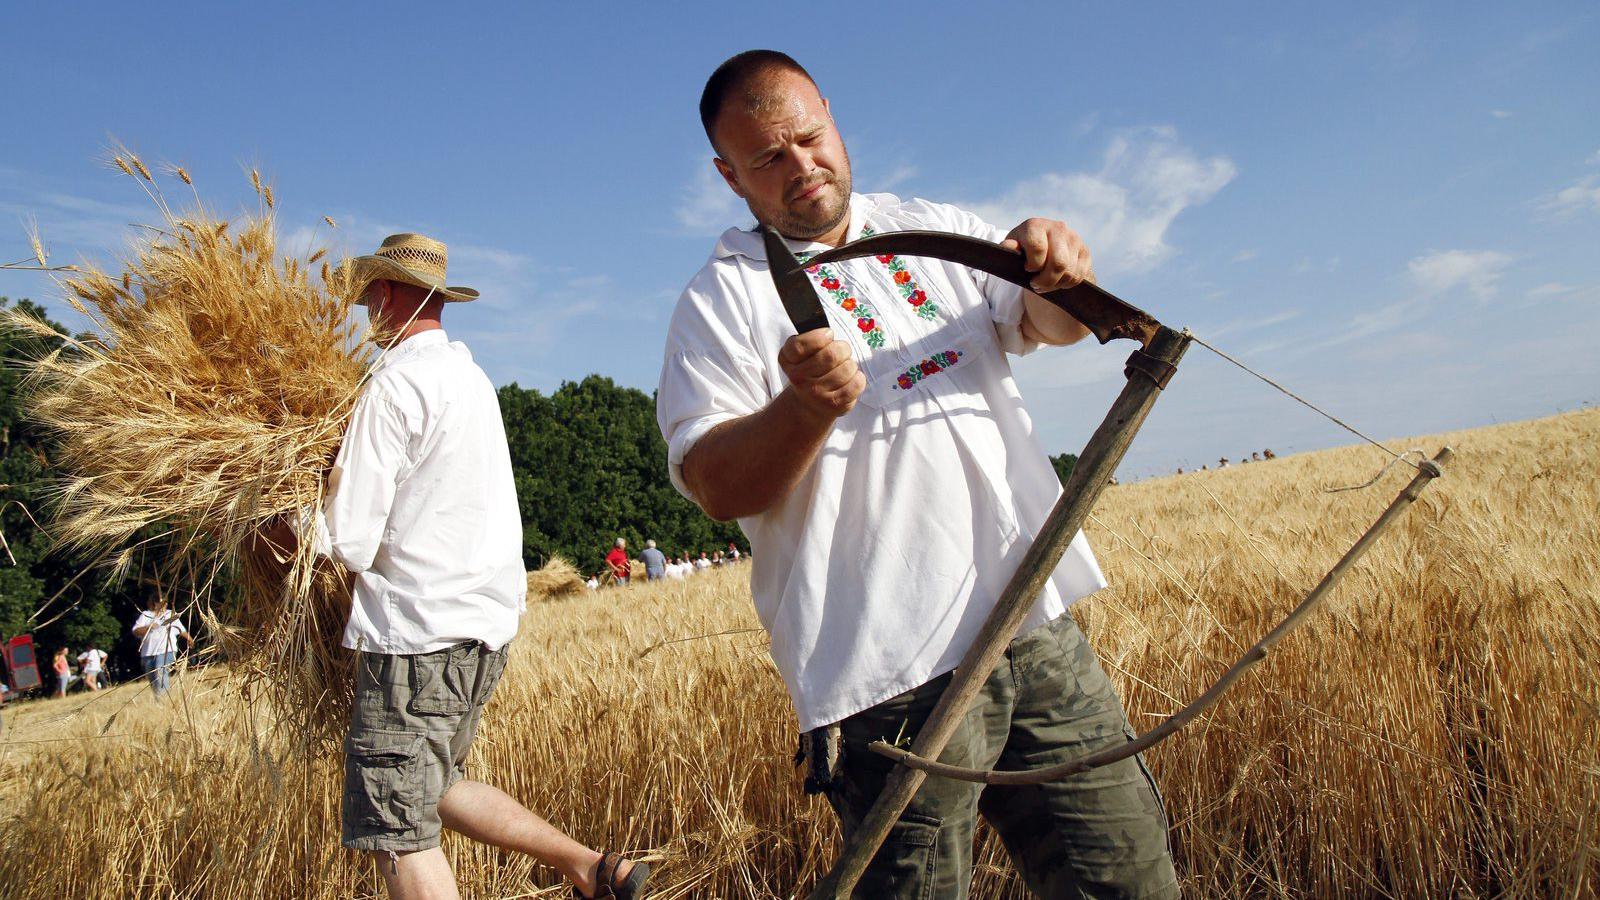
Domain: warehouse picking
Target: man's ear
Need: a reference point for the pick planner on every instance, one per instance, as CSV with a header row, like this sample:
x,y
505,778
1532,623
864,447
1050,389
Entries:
x,y
727,173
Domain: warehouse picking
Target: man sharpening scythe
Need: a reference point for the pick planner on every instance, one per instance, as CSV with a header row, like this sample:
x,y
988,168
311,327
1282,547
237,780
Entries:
x,y
886,473
422,510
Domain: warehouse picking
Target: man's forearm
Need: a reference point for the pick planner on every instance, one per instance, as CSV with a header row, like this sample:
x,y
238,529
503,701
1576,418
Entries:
x,y
1048,323
745,466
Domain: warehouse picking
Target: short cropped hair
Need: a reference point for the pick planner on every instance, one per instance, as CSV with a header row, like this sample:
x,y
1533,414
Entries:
x,y
736,73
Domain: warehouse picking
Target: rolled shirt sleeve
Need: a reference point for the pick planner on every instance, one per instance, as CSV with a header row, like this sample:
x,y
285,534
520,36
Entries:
x,y
361,488
707,376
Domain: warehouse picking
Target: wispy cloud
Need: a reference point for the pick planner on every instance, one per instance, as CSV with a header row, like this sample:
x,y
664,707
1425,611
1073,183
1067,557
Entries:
x,y
1124,209
1501,113
1253,323
1305,265
707,206
1245,255
1431,277
1475,272
1582,196
895,177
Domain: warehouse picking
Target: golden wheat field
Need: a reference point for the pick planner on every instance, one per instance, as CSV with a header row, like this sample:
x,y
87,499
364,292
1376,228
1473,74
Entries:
x,y
1434,731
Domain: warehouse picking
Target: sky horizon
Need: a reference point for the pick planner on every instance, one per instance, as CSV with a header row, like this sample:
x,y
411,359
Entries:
x,y
1395,211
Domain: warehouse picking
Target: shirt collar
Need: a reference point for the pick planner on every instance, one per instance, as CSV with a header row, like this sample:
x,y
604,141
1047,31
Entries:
x,y
747,242
411,346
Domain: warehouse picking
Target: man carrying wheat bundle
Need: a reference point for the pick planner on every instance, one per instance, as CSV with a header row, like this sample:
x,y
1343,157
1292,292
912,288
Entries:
x,y
422,510
888,478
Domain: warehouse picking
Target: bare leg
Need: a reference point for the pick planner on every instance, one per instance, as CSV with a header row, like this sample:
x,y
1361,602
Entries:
x,y
422,875
490,816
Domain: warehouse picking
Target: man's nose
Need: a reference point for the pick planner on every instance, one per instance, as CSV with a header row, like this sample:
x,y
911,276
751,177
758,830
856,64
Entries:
x,y
798,165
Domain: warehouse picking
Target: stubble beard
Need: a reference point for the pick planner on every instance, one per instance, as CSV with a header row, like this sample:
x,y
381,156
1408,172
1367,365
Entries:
x,y
801,227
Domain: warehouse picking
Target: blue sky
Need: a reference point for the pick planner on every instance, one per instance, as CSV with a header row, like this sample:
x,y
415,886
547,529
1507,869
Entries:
x,y
1395,209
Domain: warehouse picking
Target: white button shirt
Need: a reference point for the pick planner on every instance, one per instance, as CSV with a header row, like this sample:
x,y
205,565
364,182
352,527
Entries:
x,y
423,508
876,573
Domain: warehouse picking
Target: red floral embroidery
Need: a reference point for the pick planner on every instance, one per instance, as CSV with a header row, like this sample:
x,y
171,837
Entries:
x,y
933,365
907,285
847,300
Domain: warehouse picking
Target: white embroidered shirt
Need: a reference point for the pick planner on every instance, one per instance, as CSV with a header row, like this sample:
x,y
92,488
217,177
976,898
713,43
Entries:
x,y
875,574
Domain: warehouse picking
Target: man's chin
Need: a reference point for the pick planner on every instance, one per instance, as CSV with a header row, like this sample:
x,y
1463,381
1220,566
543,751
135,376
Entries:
x,y
812,223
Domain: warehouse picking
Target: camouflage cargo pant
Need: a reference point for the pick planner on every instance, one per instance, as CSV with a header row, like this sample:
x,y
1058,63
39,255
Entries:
x,y
1102,833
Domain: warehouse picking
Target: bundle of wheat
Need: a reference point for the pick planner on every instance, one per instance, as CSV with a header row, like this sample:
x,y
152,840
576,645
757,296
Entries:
x,y
557,578
209,398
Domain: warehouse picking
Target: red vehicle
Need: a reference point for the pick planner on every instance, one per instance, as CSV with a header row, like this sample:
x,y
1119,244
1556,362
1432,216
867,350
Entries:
x,y
18,665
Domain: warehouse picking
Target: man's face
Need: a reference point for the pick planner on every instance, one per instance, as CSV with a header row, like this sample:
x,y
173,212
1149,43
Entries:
x,y
786,158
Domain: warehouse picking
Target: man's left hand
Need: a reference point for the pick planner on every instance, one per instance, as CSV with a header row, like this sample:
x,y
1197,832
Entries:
x,y
1054,252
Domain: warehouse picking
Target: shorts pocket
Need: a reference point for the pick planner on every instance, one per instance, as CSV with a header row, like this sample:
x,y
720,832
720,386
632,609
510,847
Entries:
x,y
383,778
441,683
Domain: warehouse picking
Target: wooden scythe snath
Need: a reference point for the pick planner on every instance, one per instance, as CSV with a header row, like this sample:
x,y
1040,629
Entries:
x,y
1148,371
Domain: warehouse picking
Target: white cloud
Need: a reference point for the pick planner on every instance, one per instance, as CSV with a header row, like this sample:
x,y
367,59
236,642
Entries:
x,y
1582,196
897,176
708,206
1245,255
1475,271
1308,266
1501,113
1252,323
1124,209
1550,289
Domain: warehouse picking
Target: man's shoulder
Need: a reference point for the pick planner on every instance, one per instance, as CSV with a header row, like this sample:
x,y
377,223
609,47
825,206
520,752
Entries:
x,y
916,213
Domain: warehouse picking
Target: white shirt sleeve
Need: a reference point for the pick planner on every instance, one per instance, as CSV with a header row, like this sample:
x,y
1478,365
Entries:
x,y
707,376
362,485
144,619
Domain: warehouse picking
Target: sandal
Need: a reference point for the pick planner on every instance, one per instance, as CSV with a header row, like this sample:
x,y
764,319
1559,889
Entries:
x,y
607,885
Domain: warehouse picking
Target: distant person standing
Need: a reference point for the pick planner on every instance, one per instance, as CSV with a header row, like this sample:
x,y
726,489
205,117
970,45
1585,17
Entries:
x,y
655,562
159,629
91,663
733,552
703,562
677,569
617,559
63,671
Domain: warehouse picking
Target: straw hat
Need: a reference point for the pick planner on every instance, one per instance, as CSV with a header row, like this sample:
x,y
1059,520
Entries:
x,y
407,258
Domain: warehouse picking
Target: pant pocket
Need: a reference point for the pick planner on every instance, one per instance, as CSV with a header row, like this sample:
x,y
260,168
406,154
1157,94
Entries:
x,y
383,779
906,866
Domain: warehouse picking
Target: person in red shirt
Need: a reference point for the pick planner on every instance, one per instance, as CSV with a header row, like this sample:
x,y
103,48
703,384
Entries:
x,y
617,559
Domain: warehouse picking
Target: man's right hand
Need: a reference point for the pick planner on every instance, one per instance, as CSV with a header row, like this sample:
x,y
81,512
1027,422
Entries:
x,y
822,372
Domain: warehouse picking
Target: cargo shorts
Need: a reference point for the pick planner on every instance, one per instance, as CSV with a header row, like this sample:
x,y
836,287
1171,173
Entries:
x,y
411,726
1101,833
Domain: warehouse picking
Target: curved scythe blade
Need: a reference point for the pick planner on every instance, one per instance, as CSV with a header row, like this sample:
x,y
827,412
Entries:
x,y
1106,316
